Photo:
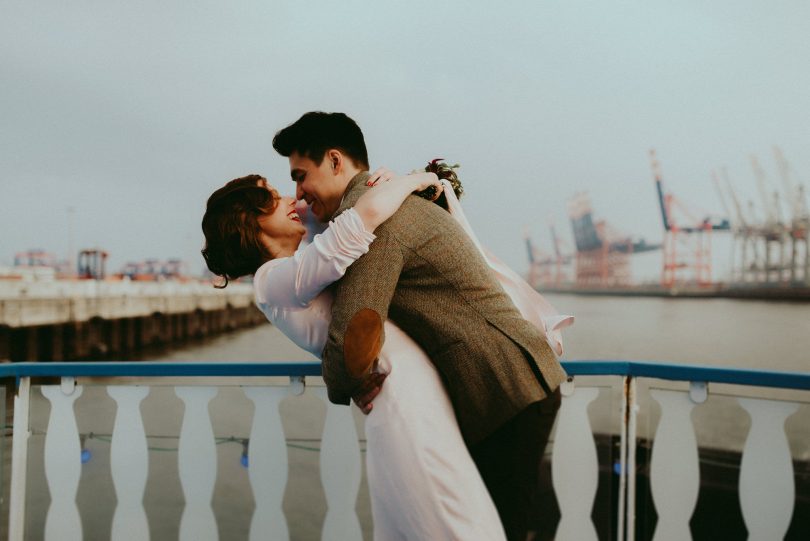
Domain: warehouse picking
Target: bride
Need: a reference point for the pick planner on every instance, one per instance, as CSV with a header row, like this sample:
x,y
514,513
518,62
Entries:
x,y
423,483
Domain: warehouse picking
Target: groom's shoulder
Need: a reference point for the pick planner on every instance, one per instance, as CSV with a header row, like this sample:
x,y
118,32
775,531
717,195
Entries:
x,y
419,218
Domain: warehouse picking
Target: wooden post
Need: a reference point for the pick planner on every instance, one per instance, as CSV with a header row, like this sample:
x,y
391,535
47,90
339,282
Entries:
x,y
57,343
31,344
81,340
24,344
5,343
128,334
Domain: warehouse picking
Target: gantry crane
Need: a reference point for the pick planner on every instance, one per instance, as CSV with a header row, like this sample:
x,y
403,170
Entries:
x,y
798,221
687,244
602,252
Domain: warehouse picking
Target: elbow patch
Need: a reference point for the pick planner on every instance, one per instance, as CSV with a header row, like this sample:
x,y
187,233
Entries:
x,y
362,342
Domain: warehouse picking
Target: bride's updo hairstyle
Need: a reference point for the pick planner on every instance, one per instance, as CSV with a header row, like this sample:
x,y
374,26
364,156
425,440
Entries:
x,y
233,246
444,172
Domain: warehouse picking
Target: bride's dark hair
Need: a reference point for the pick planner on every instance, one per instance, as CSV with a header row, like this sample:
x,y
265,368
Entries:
x,y
444,172
233,246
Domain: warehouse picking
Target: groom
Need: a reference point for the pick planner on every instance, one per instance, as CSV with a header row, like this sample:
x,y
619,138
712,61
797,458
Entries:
x,y
425,274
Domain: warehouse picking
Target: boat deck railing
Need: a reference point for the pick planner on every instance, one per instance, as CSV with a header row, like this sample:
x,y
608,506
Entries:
x,y
198,451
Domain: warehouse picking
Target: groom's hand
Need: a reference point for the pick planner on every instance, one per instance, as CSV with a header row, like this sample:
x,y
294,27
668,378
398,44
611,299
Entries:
x,y
368,391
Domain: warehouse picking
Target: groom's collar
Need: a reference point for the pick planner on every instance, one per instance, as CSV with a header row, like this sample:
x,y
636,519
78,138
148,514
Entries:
x,y
359,178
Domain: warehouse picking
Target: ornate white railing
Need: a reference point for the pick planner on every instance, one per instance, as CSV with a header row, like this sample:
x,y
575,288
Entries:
x,y
607,397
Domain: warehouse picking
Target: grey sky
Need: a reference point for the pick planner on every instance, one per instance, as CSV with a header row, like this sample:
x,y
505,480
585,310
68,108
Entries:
x,y
133,112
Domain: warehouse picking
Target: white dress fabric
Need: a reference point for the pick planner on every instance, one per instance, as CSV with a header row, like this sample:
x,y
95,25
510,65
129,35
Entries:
x,y
422,481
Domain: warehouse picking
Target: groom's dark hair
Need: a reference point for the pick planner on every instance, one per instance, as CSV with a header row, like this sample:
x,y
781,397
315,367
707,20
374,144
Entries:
x,y
316,132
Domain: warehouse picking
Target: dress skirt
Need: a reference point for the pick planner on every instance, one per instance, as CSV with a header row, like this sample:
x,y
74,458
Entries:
x,y
423,483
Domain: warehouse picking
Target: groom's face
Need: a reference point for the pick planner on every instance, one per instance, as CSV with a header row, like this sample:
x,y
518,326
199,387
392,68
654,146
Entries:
x,y
319,185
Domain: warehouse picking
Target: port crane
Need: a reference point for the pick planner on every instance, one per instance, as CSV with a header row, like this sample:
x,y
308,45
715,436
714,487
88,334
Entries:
x,y
602,252
798,223
773,232
743,230
540,264
687,240
764,242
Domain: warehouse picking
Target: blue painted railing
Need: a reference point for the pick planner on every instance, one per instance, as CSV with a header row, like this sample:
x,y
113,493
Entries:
x,y
640,369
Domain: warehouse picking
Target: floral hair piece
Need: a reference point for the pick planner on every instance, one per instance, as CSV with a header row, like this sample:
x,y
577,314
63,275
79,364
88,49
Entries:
x,y
444,172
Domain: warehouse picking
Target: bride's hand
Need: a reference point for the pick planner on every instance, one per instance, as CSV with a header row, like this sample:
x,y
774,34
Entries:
x,y
423,181
377,205
382,174
418,181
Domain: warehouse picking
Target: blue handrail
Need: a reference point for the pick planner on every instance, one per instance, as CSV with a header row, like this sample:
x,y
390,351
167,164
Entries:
x,y
645,369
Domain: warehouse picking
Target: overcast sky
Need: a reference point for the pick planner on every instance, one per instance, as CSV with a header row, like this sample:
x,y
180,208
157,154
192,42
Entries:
x,y
133,112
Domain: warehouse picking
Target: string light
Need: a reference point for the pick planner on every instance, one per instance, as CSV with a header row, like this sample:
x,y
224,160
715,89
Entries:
x,y
244,460
244,457
86,455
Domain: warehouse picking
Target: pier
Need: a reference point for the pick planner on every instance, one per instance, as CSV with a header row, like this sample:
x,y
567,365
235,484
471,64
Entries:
x,y
62,320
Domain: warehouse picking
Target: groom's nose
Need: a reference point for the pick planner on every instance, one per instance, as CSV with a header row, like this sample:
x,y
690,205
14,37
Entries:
x,y
299,192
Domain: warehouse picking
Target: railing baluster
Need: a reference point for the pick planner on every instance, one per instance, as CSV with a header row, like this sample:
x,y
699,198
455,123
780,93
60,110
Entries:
x,y
574,465
767,489
197,464
674,467
630,411
19,460
63,462
340,472
129,463
268,464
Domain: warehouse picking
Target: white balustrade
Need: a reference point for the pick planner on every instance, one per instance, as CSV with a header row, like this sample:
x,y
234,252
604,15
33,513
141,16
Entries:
x,y
197,464
62,463
574,464
674,466
129,464
767,490
268,464
340,472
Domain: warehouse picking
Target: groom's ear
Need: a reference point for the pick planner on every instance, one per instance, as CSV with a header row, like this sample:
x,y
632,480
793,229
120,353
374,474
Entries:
x,y
336,160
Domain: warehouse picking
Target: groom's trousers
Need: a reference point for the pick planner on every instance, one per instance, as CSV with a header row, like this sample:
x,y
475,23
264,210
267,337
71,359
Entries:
x,y
509,462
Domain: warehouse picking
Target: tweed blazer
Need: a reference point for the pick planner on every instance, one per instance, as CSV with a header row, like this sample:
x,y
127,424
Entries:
x,y
425,274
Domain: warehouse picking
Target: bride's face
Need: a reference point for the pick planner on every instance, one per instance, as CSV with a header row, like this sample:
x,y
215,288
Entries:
x,y
282,229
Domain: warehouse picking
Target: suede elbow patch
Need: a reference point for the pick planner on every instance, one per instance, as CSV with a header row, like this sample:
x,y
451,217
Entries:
x,y
362,342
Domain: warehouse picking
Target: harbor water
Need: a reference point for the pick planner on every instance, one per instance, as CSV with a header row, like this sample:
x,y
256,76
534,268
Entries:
x,y
716,332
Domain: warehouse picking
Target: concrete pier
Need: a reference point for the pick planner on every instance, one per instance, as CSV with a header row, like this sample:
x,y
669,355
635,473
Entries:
x,y
68,320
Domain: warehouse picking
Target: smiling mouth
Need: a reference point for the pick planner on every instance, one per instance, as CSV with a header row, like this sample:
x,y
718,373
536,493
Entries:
x,y
294,216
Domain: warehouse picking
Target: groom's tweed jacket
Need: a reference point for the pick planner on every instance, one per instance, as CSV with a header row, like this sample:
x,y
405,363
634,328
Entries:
x,y
425,274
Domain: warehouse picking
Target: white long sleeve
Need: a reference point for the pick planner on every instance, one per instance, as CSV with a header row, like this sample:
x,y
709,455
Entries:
x,y
290,291
295,281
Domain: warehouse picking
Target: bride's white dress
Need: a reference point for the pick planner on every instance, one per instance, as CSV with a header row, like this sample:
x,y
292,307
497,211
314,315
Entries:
x,y
422,480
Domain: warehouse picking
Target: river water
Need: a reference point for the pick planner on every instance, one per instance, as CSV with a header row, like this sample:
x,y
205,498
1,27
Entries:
x,y
715,332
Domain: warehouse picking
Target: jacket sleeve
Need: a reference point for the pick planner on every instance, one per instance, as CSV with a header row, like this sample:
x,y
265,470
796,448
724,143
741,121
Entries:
x,y
359,309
